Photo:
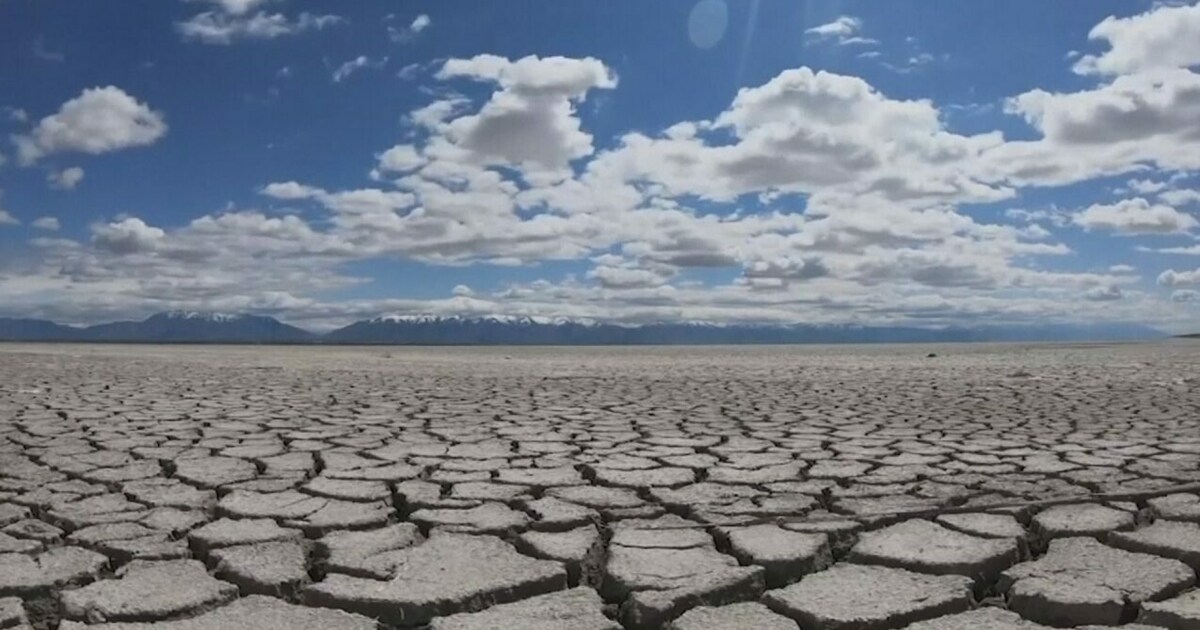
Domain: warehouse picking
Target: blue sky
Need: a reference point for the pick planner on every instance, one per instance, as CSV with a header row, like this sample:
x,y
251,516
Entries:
x,y
928,162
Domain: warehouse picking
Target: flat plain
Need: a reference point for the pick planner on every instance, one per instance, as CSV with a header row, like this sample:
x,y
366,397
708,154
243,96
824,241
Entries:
x,y
931,487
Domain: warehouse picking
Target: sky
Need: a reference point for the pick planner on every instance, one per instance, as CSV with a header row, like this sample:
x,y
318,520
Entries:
x,y
914,162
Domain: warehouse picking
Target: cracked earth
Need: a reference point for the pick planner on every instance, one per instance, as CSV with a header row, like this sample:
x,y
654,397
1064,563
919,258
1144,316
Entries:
x,y
866,488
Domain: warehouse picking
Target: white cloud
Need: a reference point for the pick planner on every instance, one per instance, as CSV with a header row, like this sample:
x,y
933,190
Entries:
x,y
223,28
815,133
289,191
1147,116
788,269
1135,216
16,114
844,30
530,122
45,54
1180,197
1145,186
409,72
127,236
1172,278
1163,37
400,159
409,33
7,219
66,179
1147,119
911,63
49,224
843,26
857,216
1185,295
1191,250
858,240
1054,216
99,120
235,7
1104,293
626,277
1132,107
354,65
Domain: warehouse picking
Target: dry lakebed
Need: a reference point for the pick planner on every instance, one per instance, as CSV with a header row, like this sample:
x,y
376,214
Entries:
x,y
930,487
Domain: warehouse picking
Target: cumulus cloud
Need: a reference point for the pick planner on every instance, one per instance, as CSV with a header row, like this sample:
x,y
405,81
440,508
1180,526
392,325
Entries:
x,y
131,267
1185,295
823,198
856,239
401,158
45,54
626,277
787,269
814,133
342,72
289,190
127,236
1104,293
1172,278
530,122
15,114
1146,186
50,224
1180,197
844,31
66,179
1135,216
5,217
409,33
409,71
99,120
223,27
1054,216
234,7
1149,118
1163,37
1133,107
1191,250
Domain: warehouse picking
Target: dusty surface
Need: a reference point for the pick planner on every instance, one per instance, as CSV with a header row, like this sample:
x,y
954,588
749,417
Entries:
x,y
820,487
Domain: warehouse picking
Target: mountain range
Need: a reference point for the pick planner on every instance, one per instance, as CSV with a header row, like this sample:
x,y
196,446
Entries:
x,y
198,327
169,327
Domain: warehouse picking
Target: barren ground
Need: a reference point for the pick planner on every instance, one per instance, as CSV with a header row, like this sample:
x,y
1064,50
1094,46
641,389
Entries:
x,y
854,487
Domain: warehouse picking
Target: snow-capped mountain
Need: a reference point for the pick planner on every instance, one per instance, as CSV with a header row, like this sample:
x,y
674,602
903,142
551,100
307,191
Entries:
x,y
204,316
429,329
200,327
168,327
518,320
463,329
425,329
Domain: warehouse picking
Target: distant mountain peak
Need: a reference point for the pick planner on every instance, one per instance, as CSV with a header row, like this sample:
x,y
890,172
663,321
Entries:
x,y
208,316
492,329
520,320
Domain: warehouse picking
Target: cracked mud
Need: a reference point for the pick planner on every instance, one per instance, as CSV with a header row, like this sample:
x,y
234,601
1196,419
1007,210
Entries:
x,y
991,486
